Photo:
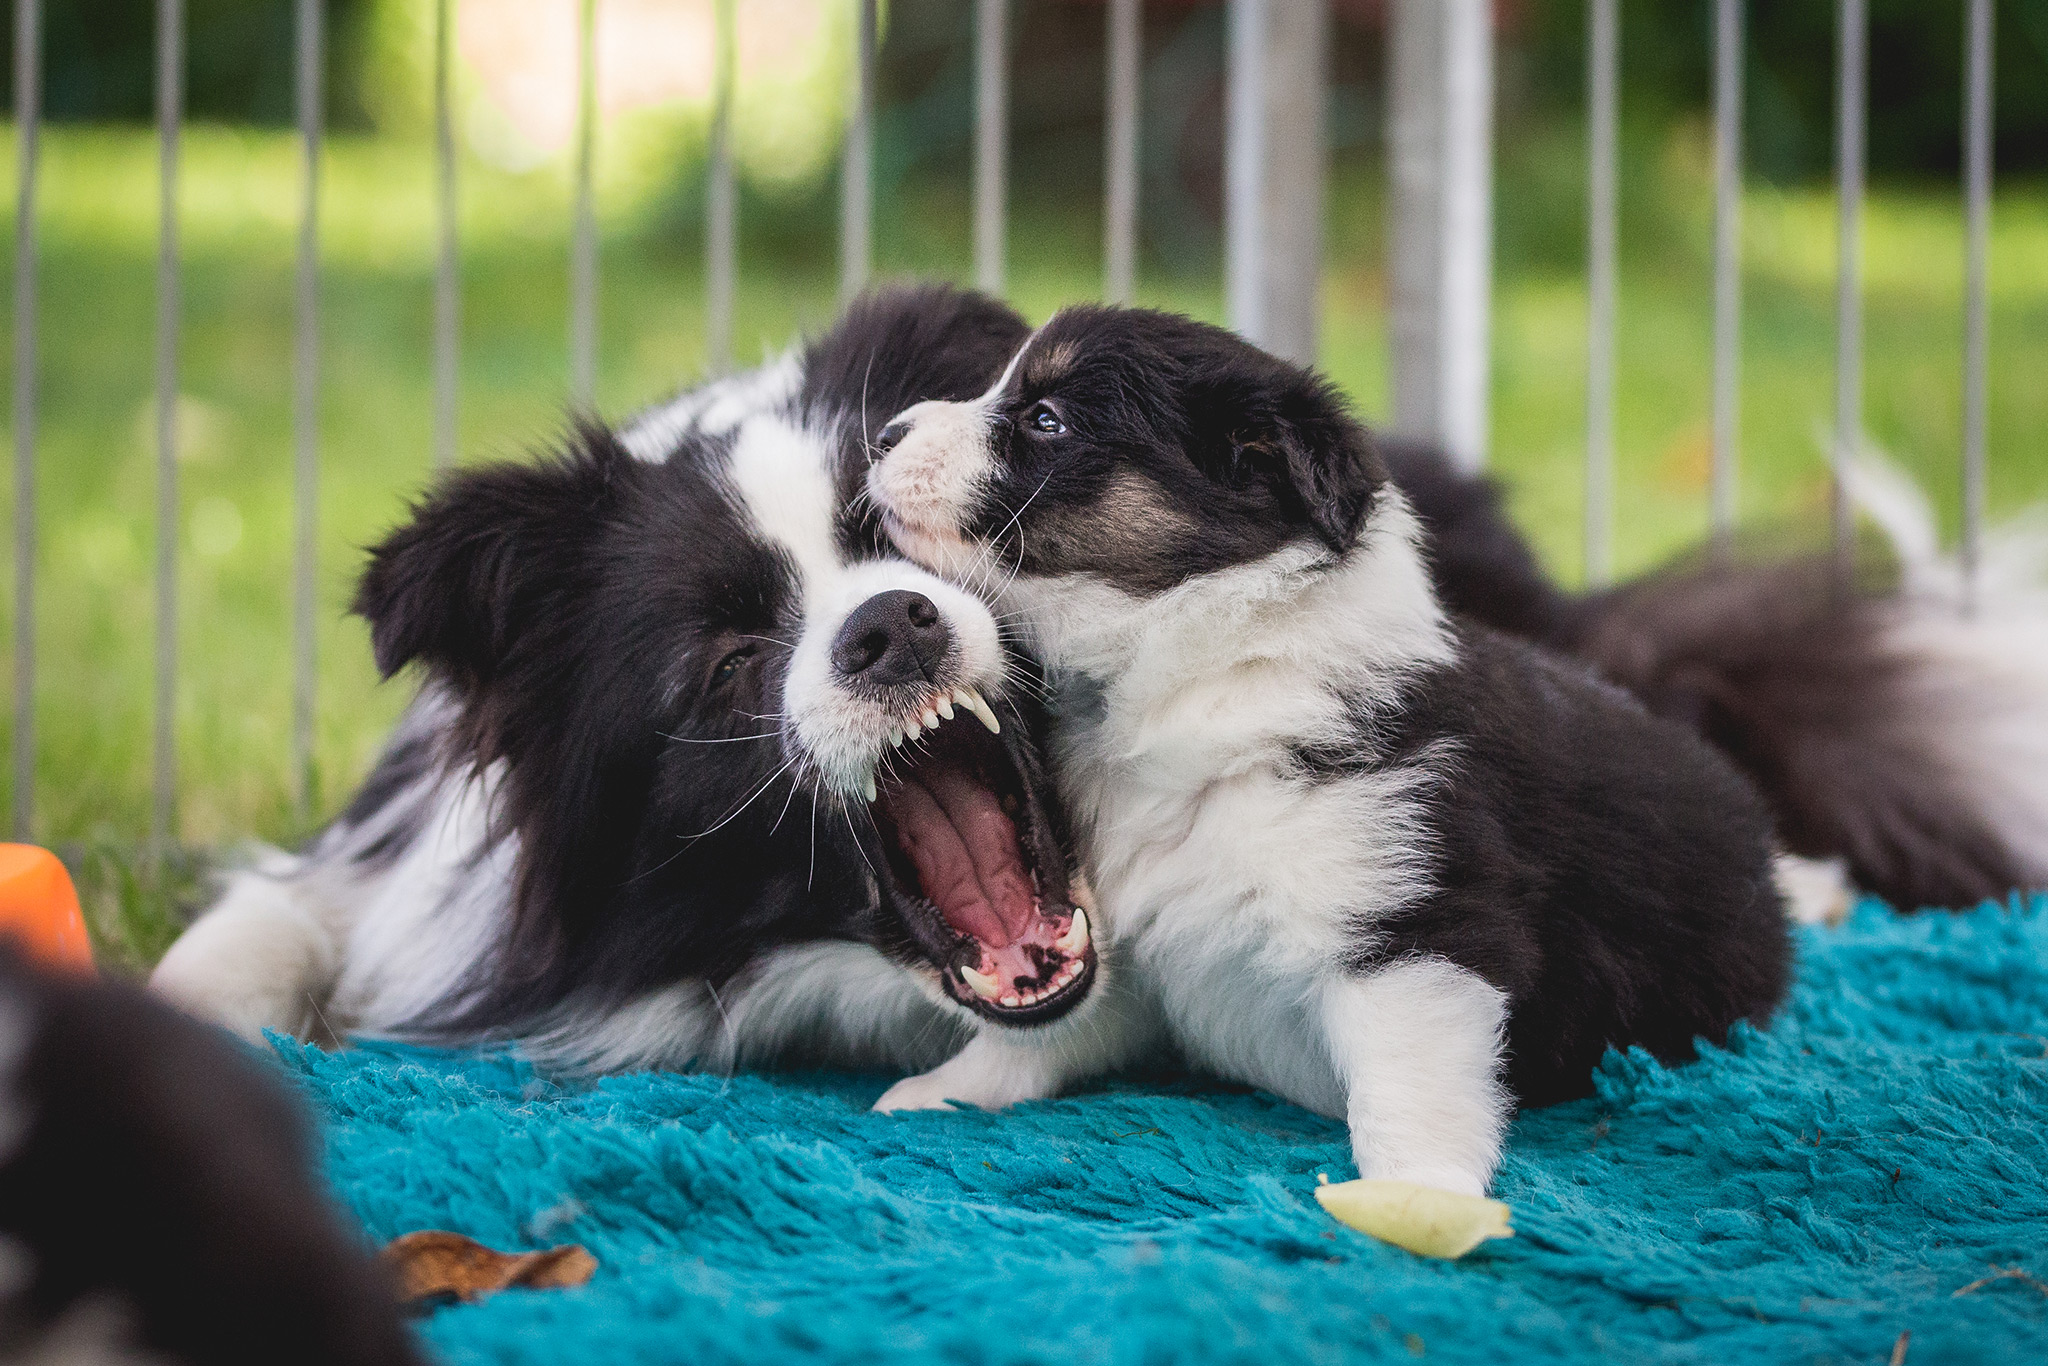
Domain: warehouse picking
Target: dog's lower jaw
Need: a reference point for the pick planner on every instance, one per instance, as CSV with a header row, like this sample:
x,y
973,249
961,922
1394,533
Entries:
x,y
1418,1045
1001,1067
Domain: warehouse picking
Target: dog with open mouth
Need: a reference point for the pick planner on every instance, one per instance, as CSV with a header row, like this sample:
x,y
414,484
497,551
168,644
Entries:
x,y
700,773
1379,860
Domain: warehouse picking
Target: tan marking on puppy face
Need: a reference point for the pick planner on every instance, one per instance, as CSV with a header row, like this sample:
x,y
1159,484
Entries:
x,y
1127,533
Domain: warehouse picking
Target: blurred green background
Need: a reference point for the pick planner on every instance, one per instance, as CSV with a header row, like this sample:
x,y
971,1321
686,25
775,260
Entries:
x,y
238,205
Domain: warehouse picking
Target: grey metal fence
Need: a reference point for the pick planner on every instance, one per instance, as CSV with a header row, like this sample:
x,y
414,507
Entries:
x,y
1440,92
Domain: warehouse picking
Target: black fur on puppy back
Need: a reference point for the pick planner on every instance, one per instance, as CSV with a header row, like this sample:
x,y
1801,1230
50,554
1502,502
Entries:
x,y
1604,868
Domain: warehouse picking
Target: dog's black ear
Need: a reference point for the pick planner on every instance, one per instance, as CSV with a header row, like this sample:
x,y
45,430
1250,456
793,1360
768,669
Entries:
x,y
488,555
1263,419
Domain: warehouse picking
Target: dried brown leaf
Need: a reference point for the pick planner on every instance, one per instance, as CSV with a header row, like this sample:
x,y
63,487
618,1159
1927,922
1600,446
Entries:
x,y
434,1265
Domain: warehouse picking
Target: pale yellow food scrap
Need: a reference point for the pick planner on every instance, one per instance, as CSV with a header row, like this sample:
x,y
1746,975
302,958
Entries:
x,y
1429,1222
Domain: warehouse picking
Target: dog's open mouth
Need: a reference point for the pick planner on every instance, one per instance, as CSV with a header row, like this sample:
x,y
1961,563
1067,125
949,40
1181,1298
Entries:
x,y
969,848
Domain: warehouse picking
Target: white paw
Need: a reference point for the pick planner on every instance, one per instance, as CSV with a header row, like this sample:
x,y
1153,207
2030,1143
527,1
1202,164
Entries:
x,y
924,1092
250,968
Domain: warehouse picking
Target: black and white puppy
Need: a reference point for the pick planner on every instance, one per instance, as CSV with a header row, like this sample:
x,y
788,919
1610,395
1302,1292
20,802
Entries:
x,y
701,775
1371,857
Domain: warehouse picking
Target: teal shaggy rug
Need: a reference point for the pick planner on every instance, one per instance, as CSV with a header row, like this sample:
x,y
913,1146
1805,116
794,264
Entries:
x,y
1874,1165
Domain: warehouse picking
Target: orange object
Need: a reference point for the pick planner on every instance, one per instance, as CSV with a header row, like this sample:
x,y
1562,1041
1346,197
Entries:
x,y
39,908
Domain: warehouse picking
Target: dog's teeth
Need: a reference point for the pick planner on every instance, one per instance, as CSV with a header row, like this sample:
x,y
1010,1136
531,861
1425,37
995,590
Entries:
x,y
971,700
987,988
931,718
1012,1000
910,729
945,705
870,786
895,736
1076,937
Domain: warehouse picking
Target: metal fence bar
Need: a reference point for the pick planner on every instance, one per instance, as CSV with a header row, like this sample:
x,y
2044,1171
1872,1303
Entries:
x,y
170,73
1603,99
28,110
991,140
856,189
447,298
1977,125
1852,26
1440,221
1727,417
1274,172
583,238
719,244
1120,152
306,408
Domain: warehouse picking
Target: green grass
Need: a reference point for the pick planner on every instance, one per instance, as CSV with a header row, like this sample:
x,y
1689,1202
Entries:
x,y
97,492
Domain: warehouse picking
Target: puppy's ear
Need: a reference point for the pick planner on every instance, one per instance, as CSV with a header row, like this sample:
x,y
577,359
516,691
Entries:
x,y
491,555
1288,428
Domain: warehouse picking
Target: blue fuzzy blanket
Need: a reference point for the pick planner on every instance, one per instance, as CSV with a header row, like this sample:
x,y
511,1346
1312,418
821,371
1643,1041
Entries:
x,y
1807,1195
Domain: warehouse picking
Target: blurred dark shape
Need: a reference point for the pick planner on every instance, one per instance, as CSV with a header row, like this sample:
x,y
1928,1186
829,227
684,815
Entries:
x,y
152,1170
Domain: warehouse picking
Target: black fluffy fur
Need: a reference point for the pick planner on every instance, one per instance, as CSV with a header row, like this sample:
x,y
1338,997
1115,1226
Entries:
x,y
1771,659
1599,865
159,1164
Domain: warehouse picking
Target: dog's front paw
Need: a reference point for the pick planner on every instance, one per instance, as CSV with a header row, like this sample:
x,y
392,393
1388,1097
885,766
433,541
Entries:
x,y
924,1092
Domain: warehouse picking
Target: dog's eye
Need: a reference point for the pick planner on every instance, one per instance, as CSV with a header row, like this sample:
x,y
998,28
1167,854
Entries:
x,y
731,665
1044,419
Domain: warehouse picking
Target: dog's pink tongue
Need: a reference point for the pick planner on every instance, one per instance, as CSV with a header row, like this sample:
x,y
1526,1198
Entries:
x,y
965,850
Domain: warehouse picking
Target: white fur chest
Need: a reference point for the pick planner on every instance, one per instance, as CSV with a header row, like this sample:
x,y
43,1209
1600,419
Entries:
x,y
1235,888
1235,884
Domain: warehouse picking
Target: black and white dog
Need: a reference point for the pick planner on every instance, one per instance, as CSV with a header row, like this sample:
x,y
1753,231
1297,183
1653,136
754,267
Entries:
x,y
1381,861
693,780
700,775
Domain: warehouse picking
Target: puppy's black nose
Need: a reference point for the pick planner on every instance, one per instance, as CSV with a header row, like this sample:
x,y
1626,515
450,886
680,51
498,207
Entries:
x,y
893,638
888,438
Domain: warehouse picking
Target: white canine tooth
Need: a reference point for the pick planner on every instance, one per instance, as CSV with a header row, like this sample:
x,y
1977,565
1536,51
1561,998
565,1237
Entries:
x,y
945,705
931,718
971,700
987,988
1076,937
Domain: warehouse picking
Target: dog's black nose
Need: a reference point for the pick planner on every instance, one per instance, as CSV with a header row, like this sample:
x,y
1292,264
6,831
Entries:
x,y
887,439
893,638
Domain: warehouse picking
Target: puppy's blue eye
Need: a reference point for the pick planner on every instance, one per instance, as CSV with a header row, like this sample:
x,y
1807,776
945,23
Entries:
x,y
1044,419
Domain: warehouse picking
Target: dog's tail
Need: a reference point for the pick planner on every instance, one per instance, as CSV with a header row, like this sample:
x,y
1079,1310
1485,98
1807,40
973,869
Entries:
x,y
1888,729
1901,728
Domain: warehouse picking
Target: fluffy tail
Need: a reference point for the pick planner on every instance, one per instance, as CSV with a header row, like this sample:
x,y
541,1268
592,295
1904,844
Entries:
x,y
1899,729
